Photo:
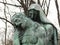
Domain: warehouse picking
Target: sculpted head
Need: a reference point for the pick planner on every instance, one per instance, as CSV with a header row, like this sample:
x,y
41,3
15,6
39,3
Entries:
x,y
36,13
17,18
33,12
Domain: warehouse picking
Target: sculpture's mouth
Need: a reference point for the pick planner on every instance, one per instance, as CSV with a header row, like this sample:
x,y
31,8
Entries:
x,y
19,25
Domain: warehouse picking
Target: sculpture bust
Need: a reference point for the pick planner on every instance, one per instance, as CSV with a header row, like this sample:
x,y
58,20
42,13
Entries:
x,y
34,29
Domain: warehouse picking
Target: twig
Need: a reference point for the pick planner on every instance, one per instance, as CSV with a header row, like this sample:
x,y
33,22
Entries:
x,y
48,7
11,4
57,7
7,21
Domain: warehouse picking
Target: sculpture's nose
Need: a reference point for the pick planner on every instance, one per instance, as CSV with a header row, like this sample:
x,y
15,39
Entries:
x,y
31,14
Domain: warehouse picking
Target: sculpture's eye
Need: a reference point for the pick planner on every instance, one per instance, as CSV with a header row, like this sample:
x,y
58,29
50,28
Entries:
x,y
15,21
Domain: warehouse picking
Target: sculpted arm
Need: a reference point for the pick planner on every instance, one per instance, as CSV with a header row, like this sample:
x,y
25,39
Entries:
x,y
35,34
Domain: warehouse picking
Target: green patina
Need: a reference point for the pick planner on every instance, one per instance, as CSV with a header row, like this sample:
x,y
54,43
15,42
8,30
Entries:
x,y
31,30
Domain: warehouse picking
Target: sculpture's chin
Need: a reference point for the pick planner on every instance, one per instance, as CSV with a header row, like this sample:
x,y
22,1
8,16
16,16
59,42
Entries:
x,y
18,25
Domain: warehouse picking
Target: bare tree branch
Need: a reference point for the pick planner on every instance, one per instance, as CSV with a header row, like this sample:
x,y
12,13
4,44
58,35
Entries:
x,y
10,4
48,7
57,7
42,3
8,21
23,5
39,2
31,2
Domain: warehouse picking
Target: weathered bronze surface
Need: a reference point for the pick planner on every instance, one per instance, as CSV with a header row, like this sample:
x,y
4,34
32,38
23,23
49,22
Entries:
x,y
34,29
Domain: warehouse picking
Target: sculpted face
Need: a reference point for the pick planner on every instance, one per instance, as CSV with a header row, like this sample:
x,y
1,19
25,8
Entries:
x,y
32,14
17,19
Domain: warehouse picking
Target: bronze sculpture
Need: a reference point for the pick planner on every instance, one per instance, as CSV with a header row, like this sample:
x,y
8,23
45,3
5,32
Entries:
x,y
34,29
